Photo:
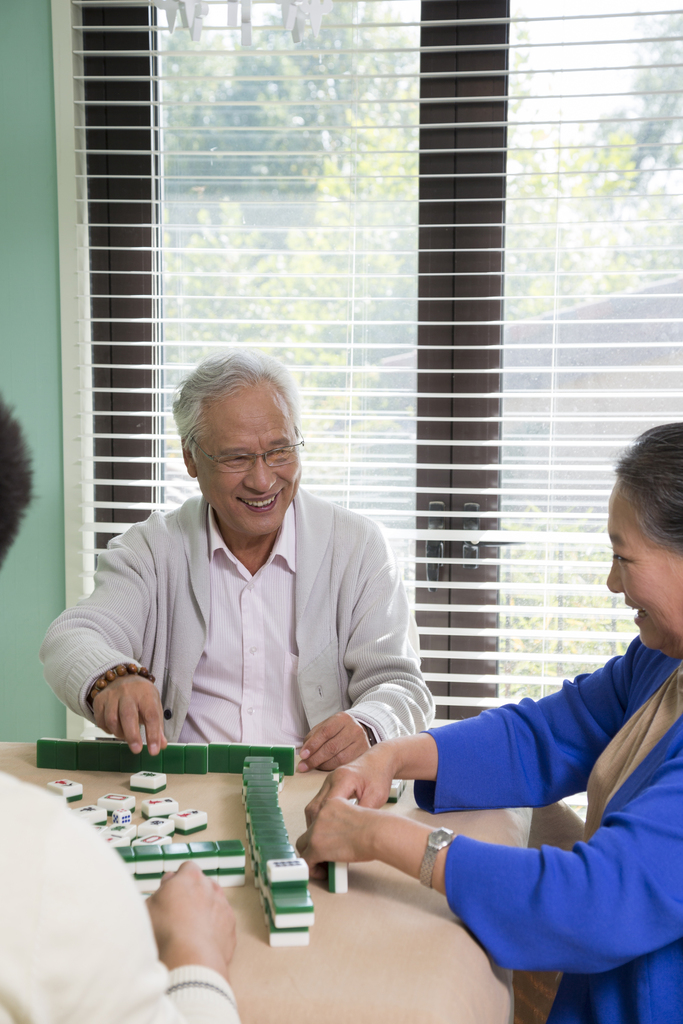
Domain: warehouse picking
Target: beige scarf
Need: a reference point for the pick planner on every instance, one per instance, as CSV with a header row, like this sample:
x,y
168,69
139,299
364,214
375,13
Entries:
x,y
631,745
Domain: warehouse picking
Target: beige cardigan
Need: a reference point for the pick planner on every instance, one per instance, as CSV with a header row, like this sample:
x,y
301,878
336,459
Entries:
x,y
151,604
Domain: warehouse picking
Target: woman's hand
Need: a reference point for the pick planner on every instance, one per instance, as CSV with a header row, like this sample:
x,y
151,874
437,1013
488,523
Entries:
x,y
369,777
341,831
347,833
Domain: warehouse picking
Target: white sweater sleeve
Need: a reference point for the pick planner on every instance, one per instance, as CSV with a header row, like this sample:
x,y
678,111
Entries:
x,y
76,944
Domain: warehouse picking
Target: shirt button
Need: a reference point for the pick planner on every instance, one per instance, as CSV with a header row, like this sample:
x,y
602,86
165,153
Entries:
x,y
250,586
252,650
250,711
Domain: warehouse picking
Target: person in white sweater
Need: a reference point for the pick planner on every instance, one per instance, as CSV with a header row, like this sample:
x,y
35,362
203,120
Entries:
x,y
78,944
265,614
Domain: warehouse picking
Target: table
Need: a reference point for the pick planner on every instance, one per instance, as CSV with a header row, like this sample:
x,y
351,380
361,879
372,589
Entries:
x,y
387,951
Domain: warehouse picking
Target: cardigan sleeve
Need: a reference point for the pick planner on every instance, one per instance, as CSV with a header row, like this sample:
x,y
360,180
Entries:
x,y
105,628
587,910
386,688
536,752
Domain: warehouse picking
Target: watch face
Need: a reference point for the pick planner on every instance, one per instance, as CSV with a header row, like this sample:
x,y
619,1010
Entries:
x,y
440,837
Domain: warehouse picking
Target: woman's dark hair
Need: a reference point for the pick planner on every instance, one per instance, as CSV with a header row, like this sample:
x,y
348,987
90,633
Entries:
x,y
15,478
650,471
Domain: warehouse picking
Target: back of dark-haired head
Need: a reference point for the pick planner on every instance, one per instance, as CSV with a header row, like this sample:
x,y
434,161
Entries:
x,y
650,473
15,478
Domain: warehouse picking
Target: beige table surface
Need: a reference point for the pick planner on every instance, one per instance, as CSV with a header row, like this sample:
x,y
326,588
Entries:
x,y
387,951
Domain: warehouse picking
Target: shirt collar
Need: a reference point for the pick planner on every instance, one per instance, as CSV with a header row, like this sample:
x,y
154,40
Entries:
x,y
284,546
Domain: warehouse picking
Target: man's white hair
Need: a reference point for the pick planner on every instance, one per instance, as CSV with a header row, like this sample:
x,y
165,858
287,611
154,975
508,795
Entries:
x,y
224,374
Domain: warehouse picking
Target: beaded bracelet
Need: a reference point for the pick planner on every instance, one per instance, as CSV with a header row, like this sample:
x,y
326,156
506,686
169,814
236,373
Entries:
x,y
114,673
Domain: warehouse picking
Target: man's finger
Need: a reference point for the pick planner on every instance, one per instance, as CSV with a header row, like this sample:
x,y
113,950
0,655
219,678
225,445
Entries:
x,y
334,751
320,735
111,721
129,716
150,713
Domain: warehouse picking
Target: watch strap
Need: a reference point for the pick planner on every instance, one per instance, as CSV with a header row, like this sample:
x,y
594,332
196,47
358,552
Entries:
x,y
438,840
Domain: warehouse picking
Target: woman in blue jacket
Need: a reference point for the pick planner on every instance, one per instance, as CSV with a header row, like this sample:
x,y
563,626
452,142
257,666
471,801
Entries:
x,y
609,912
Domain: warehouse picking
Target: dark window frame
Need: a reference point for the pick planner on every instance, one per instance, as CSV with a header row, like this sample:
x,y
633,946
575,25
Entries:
x,y
461,306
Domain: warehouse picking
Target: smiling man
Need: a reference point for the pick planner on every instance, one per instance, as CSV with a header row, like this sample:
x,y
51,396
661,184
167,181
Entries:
x,y
263,613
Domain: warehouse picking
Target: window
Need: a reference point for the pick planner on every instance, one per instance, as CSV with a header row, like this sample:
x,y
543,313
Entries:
x,y
458,223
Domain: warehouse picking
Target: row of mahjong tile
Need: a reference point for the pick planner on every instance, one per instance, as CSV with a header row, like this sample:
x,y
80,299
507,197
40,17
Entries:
x,y
280,877
148,861
177,758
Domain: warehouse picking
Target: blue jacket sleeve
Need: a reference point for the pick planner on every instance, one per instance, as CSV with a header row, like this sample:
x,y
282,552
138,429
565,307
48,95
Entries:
x,y
589,910
536,752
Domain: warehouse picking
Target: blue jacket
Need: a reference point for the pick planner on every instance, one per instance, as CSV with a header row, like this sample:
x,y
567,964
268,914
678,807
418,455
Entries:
x,y
609,913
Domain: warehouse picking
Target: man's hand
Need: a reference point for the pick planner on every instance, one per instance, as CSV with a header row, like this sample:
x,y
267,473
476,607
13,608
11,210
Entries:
x,y
193,922
124,705
334,742
341,831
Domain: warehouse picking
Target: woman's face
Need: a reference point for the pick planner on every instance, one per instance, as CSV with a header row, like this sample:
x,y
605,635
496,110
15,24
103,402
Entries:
x,y
649,576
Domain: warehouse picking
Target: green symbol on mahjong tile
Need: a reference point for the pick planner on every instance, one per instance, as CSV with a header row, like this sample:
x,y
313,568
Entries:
x,y
148,775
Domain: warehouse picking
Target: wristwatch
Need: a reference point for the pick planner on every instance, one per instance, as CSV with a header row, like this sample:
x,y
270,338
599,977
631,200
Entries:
x,y
438,839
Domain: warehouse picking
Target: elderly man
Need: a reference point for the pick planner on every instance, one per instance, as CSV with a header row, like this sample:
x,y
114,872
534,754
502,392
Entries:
x,y
264,614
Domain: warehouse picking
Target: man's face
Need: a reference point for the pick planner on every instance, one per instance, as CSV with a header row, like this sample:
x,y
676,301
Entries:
x,y
252,504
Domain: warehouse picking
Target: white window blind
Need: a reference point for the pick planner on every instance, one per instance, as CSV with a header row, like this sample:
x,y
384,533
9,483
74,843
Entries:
x,y
298,198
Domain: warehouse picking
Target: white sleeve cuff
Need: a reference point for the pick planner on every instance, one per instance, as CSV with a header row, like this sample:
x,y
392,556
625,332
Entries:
x,y
202,996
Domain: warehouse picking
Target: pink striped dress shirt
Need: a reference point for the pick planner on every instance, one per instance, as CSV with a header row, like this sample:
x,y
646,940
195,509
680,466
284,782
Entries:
x,y
244,689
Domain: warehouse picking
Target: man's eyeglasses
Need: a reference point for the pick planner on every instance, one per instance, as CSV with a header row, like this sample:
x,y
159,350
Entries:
x,y
244,463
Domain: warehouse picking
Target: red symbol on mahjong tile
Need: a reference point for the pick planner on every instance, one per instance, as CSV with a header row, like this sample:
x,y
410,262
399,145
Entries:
x,y
63,782
166,800
187,814
114,796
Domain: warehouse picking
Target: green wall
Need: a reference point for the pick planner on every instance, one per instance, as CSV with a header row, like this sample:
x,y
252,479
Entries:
x,y
32,578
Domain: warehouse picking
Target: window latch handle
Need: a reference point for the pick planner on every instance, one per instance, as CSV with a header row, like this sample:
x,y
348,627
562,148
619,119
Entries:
x,y
434,548
470,552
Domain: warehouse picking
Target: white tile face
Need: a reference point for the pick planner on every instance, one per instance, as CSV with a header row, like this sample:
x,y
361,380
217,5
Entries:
x,y
92,814
116,840
173,865
116,801
295,870
186,821
124,831
100,830
66,788
230,881
151,781
155,840
226,861
159,807
156,827
146,885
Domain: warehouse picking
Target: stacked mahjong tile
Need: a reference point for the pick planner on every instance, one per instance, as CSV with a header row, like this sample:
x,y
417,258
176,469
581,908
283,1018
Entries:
x,y
148,861
279,875
398,788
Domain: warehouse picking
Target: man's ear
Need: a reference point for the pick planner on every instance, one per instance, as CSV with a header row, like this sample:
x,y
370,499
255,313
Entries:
x,y
190,464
